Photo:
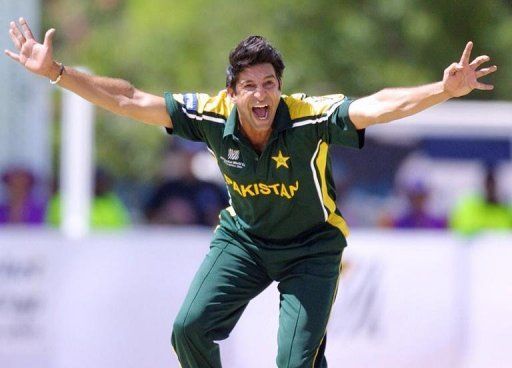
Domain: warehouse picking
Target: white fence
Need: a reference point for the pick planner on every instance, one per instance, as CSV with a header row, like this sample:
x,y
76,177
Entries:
x,y
421,299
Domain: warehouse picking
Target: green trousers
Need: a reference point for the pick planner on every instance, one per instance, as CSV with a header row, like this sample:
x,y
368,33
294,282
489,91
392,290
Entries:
x,y
237,268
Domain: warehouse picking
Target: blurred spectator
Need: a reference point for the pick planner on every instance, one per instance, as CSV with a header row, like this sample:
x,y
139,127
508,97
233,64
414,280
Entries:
x,y
482,211
182,198
21,206
416,214
107,209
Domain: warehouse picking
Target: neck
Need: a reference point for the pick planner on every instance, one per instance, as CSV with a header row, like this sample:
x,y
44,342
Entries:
x,y
257,138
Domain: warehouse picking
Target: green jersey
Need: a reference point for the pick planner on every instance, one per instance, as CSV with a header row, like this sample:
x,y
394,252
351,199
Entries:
x,y
288,189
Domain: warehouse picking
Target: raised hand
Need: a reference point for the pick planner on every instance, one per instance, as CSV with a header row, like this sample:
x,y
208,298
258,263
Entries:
x,y
461,78
34,56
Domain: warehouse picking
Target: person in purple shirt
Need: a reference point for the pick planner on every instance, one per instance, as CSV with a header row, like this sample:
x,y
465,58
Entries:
x,y
417,215
20,206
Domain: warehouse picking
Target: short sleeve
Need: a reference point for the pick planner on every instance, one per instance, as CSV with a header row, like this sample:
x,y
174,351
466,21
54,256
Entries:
x,y
183,110
341,130
198,116
327,116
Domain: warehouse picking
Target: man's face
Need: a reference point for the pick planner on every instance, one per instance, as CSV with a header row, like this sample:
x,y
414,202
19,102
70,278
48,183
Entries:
x,y
256,97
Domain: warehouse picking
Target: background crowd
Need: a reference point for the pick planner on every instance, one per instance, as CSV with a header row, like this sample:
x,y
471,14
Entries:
x,y
387,187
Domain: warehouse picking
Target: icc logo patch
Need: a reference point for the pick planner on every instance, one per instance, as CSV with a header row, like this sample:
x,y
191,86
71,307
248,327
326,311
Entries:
x,y
233,154
233,159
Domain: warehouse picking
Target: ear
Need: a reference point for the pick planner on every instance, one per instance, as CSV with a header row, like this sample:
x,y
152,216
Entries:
x,y
231,94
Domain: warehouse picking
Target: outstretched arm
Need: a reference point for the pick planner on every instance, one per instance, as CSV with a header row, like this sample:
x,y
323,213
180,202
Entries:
x,y
115,95
459,79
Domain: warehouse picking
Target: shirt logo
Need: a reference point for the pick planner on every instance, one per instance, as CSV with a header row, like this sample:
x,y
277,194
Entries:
x,y
233,154
233,159
191,101
283,190
281,160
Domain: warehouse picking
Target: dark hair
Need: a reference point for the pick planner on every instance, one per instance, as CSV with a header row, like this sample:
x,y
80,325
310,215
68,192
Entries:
x,y
252,51
14,171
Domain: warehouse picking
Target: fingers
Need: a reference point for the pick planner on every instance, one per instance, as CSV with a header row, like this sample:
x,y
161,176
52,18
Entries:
x,y
48,38
451,69
486,71
479,61
12,55
17,34
466,54
15,40
26,29
454,68
484,87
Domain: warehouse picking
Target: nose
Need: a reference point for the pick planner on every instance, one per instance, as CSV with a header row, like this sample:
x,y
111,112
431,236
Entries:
x,y
259,93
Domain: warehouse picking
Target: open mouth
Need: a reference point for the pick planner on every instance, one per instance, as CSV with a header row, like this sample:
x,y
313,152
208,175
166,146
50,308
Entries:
x,y
261,111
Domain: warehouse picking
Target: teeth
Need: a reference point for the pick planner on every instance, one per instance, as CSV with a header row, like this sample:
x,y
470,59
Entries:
x,y
266,107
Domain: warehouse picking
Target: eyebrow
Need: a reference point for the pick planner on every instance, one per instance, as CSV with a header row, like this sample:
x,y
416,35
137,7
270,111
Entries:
x,y
266,77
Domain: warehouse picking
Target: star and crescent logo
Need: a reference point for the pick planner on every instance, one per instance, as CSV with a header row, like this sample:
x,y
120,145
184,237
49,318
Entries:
x,y
281,160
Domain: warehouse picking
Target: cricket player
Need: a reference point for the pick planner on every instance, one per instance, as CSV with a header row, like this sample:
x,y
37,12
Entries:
x,y
273,152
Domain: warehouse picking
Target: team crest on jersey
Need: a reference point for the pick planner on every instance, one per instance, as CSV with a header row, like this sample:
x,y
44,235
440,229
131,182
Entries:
x,y
281,160
233,159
